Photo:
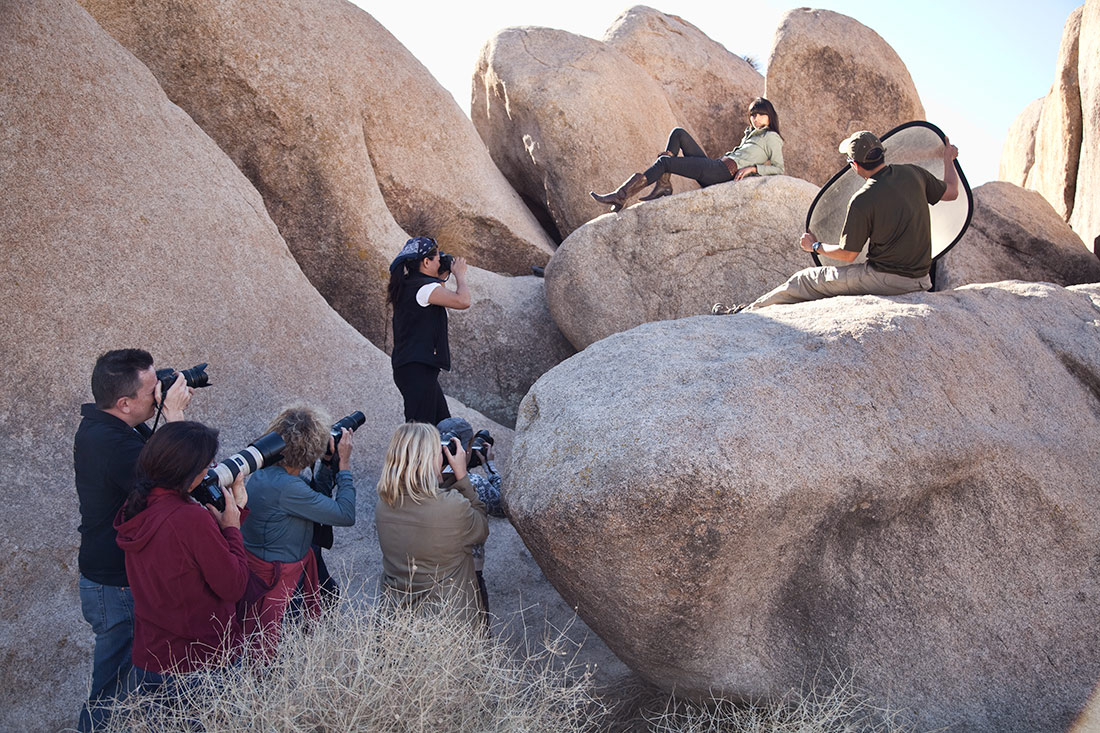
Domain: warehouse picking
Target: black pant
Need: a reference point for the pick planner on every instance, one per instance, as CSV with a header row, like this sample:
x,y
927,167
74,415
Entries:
x,y
419,386
694,164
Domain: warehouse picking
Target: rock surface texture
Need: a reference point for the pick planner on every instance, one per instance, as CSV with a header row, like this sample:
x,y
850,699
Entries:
x,y
1058,132
345,134
508,340
676,256
1018,151
903,487
826,67
1016,235
711,86
123,224
564,115
1085,218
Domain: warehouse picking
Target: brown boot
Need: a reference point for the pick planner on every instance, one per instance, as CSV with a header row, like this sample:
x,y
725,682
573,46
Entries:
x,y
663,187
617,198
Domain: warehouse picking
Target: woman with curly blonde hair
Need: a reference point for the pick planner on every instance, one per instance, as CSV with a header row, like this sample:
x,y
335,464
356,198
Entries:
x,y
427,534
285,506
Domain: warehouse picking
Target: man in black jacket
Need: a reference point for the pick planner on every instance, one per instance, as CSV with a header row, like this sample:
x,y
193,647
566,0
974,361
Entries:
x,y
111,434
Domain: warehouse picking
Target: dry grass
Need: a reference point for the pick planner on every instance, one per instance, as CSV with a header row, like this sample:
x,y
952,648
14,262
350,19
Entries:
x,y
833,708
375,667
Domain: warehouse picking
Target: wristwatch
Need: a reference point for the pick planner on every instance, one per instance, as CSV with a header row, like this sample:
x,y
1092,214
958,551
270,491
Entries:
x,y
815,247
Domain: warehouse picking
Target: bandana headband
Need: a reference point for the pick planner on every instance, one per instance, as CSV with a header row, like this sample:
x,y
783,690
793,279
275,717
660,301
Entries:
x,y
416,248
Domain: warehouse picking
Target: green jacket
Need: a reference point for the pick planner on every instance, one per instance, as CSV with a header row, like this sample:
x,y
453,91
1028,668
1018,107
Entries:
x,y
762,148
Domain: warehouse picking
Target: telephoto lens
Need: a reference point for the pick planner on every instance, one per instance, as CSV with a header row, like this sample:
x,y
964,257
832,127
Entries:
x,y
264,451
195,377
352,422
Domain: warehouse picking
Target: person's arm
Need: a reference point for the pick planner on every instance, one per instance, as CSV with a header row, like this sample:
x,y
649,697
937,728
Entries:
x,y
475,529
950,175
219,551
829,250
302,501
455,300
488,490
774,166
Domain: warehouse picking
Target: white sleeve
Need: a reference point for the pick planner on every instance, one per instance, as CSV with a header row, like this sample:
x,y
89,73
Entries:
x,y
423,294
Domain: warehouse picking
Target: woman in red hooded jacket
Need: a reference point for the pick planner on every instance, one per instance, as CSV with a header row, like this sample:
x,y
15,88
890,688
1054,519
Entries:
x,y
186,563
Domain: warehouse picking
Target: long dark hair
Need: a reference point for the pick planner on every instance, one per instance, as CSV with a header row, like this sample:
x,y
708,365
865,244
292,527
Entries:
x,y
399,275
172,458
762,105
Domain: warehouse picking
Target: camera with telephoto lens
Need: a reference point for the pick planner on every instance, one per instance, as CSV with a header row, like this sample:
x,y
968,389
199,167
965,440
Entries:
x,y
264,451
479,448
446,262
195,377
352,422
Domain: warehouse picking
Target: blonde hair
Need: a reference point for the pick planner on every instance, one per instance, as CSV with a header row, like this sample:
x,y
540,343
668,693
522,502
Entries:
x,y
306,432
410,469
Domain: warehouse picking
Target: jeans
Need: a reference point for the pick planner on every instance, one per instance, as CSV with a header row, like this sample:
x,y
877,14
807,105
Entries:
x,y
110,611
694,164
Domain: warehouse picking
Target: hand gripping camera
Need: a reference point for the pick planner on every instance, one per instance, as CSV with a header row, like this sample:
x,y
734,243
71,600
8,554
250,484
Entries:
x,y
352,422
264,451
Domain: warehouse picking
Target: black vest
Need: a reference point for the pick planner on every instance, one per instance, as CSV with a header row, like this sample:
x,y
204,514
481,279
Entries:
x,y
419,332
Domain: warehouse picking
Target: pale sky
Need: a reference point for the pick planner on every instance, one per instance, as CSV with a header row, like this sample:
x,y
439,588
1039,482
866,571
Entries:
x,y
976,65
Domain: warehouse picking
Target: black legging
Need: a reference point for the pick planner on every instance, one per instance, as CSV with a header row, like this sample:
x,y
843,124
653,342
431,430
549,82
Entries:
x,y
419,386
694,163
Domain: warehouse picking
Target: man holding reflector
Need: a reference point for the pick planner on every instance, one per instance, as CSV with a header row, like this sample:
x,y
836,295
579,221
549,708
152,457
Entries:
x,y
890,214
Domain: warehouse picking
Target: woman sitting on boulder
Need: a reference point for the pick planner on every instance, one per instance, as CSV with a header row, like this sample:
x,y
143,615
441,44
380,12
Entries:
x,y
427,534
760,153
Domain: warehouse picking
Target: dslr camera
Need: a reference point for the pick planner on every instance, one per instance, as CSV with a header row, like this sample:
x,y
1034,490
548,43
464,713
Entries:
x,y
195,377
446,262
264,451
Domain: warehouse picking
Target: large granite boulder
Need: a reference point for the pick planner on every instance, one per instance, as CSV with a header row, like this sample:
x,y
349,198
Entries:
x,y
829,76
900,487
1016,235
677,256
564,115
123,224
508,340
1085,218
711,86
1018,150
345,134
1058,132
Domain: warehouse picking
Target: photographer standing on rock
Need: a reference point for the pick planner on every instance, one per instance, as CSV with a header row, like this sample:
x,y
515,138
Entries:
x,y
420,303
112,433
479,448
891,213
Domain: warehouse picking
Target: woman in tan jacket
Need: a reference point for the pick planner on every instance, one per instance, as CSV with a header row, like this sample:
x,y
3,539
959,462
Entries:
x,y
427,533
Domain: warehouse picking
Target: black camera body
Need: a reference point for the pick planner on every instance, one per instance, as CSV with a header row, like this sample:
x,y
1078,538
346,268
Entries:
x,y
264,451
195,377
482,439
446,262
445,440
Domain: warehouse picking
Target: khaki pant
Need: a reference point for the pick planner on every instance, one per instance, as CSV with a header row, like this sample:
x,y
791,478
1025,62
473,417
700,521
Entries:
x,y
815,283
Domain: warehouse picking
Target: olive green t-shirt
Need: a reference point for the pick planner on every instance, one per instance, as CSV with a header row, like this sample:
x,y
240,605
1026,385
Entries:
x,y
891,213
